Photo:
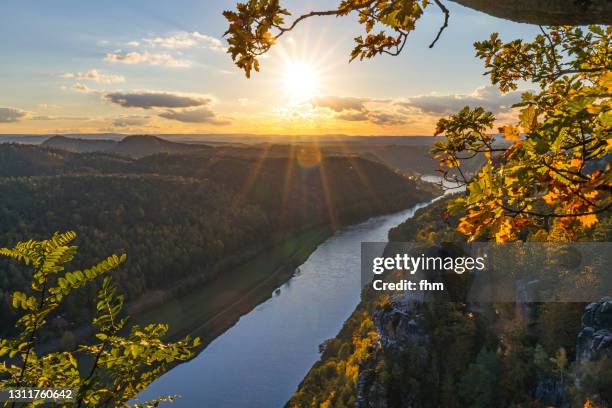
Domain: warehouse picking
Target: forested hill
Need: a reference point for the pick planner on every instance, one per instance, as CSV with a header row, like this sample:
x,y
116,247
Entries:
x,y
406,154
179,216
131,146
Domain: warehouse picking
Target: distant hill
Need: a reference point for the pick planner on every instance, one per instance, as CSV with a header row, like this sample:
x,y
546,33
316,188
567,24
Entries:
x,y
141,146
23,139
405,158
79,145
131,146
237,138
21,160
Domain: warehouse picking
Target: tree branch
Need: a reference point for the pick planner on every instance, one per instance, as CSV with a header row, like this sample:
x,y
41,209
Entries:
x,y
304,17
552,48
555,215
446,15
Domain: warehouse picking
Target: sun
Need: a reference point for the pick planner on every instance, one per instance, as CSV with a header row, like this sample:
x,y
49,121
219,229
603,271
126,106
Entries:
x,y
300,81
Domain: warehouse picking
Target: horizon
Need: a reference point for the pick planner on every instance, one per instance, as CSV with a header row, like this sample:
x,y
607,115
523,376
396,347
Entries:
x,y
206,134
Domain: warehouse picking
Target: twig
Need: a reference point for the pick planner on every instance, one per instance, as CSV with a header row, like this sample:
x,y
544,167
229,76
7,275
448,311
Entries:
x,y
555,215
446,15
305,16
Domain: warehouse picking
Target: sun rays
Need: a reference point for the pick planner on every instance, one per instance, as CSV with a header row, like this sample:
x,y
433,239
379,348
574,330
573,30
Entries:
x,y
300,81
301,68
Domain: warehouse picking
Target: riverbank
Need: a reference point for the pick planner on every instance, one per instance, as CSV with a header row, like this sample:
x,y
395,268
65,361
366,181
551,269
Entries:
x,y
209,310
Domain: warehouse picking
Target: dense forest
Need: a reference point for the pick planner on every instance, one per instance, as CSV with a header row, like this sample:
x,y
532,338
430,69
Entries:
x,y
396,353
179,216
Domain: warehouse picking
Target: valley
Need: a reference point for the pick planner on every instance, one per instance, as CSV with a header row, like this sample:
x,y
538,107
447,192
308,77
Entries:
x,y
189,219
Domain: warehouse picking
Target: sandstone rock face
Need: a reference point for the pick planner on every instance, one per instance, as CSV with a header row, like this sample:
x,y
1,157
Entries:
x,y
546,12
402,319
399,321
595,338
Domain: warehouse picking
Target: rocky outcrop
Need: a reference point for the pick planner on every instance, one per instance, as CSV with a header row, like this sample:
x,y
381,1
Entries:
x,y
370,393
546,12
595,338
398,321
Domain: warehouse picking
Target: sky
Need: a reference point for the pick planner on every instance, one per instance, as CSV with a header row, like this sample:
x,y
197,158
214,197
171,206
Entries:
x,y
158,66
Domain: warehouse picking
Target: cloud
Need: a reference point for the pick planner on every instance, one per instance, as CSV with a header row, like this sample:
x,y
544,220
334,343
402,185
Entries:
x,y
146,57
340,103
51,117
48,106
199,115
353,116
488,97
132,120
188,108
11,115
79,87
95,76
418,109
150,99
387,118
211,42
354,109
186,40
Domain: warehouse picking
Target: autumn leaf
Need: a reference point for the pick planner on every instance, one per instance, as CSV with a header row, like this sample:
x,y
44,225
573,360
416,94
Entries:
x,y
511,133
504,231
528,118
606,81
575,163
588,220
551,197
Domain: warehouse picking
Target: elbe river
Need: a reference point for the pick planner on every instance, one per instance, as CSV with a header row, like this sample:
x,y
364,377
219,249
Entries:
x,y
260,361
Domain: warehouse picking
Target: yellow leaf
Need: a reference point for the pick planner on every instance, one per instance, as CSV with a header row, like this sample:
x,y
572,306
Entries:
x,y
511,133
73,361
606,80
528,118
588,220
576,163
550,198
504,231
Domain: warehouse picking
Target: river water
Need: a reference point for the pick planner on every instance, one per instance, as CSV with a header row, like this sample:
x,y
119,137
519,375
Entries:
x,y
260,361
